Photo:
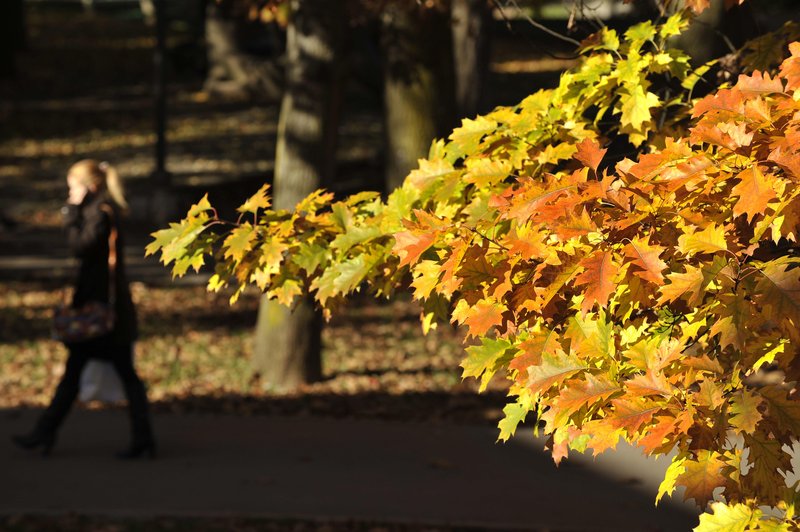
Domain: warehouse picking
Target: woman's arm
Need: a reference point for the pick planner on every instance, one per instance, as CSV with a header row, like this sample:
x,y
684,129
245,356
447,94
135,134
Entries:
x,y
86,229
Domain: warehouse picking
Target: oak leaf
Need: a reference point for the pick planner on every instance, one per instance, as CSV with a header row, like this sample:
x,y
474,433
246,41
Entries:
x,y
482,359
554,369
580,393
728,518
744,411
598,277
646,258
779,290
589,153
482,316
783,411
768,461
709,240
653,440
636,107
759,84
409,245
702,475
631,414
790,68
754,192
239,241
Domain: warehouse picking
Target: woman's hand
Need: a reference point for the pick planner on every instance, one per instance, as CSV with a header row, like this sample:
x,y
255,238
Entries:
x,y
77,192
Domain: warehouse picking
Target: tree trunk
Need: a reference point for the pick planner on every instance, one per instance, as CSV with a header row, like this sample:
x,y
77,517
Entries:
x,y
471,20
232,71
288,342
418,85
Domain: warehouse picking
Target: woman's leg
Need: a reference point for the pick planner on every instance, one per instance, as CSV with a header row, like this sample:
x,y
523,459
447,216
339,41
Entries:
x,y
66,392
137,396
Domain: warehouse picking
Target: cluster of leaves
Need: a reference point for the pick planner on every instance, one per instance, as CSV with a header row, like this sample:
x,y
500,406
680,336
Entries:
x,y
635,303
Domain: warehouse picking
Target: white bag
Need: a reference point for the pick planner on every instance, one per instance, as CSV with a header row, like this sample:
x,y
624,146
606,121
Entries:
x,y
100,382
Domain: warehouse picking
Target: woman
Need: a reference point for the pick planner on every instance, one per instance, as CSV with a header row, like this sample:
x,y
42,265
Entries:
x,y
95,204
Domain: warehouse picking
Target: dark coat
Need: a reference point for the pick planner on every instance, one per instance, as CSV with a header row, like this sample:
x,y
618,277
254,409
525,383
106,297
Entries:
x,y
88,227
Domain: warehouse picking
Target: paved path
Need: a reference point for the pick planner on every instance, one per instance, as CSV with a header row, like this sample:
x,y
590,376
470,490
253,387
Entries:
x,y
330,469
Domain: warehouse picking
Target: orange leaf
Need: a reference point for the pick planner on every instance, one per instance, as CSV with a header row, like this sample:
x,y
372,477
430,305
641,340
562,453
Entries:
x,y
602,436
788,159
728,100
680,283
758,84
657,433
578,394
790,69
598,277
646,258
409,245
754,192
702,475
483,316
533,348
631,414
589,153
698,6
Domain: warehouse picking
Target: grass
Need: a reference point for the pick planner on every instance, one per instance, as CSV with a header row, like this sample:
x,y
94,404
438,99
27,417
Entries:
x,y
194,353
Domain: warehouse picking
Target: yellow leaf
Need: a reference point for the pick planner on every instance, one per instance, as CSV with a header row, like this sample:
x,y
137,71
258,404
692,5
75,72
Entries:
x,y
709,240
636,107
727,518
239,241
674,471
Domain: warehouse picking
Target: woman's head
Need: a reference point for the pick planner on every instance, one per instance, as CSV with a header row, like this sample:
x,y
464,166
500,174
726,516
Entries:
x,y
91,177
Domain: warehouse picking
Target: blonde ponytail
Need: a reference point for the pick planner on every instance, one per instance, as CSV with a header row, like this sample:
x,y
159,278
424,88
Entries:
x,y
101,176
114,186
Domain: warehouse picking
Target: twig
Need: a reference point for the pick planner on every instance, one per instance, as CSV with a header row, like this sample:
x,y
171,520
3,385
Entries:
x,y
542,27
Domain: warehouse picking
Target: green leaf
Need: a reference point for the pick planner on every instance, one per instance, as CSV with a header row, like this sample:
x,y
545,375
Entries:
x,y
354,235
513,415
310,257
482,359
350,274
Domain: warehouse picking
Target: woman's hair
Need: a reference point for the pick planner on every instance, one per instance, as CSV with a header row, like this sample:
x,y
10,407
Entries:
x,y
102,176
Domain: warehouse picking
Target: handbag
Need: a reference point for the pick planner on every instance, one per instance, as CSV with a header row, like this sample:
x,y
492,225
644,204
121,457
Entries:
x,y
94,318
100,382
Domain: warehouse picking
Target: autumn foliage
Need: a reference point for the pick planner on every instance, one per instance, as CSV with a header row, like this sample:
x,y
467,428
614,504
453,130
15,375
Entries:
x,y
637,299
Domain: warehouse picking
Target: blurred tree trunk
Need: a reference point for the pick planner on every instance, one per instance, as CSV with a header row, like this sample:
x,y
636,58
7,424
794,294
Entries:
x,y
12,36
418,84
288,342
471,21
231,70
